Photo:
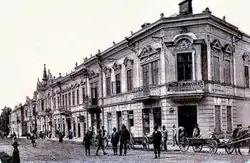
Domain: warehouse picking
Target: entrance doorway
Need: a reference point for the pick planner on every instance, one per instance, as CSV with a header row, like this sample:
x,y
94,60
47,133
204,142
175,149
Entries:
x,y
187,118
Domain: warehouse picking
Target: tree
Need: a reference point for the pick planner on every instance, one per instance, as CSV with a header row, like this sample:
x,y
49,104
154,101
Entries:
x,y
4,119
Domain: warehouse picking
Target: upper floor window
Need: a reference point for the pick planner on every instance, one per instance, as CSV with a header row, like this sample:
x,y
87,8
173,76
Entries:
x,y
93,87
42,104
69,98
246,76
77,97
83,95
118,83
184,66
145,69
108,84
155,72
58,101
216,69
62,100
26,113
66,100
129,80
73,98
227,72
54,102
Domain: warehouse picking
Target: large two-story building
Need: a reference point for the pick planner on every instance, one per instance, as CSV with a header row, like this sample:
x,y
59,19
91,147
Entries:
x,y
184,69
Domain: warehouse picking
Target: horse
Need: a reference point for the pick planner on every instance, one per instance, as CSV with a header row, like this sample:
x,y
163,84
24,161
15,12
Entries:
x,y
242,138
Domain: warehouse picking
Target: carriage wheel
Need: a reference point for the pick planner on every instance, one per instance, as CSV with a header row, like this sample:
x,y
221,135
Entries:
x,y
197,148
184,145
229,148
213,147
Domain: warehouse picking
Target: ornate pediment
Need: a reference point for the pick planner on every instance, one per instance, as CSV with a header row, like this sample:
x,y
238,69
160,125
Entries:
x,y
128,63
116,66
148,51
92,74
216,45
246,58
228,49
184,44
107,71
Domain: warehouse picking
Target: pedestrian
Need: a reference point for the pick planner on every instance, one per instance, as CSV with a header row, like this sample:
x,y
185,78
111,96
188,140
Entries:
x,y
100,142
60,137
157,137
124,138
196,131
165,137
87,142
33,140
174,136
115,140
15,155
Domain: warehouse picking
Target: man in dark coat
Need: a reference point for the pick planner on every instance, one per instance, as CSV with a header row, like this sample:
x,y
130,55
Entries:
x,y
115,140
100,143
124,138
15,155
157,141
87,142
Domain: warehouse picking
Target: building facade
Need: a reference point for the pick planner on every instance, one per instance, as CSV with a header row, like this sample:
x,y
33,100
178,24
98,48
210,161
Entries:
x,y
180,70
17,124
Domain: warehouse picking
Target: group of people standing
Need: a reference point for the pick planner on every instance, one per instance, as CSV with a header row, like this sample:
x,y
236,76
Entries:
x,y
122,136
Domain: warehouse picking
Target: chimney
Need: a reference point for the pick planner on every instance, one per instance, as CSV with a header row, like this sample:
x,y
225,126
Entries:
x,y
186,7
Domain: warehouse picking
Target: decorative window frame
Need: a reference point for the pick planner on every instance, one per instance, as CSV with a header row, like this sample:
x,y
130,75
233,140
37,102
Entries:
x,y
107,71
128,63
117,68
246,58
149,54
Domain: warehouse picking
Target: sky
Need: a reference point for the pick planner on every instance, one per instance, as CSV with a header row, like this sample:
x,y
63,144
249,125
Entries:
x,y
60,33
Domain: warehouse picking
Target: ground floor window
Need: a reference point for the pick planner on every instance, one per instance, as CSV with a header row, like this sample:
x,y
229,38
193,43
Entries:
x,y
229,118
131,118
79,130
109,118
145,120
74,129
217,118
157,116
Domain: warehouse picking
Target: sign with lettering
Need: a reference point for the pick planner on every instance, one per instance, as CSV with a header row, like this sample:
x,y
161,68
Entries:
x,y
185,86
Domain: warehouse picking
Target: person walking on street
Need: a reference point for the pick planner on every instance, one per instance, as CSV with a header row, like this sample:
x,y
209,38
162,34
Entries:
x,y
100,143
33,140
165,137
157,142
114,140
174,136
15,155
87,142
124,138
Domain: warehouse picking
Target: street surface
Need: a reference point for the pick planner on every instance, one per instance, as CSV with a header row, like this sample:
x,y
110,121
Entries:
x,y
53,152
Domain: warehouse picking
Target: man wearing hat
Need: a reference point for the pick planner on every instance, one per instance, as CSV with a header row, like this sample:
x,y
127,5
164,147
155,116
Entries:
x,y
15,155
157,137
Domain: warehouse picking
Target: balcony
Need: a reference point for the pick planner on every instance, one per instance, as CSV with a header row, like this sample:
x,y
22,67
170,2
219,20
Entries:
x,y
185,90
146,93
92,106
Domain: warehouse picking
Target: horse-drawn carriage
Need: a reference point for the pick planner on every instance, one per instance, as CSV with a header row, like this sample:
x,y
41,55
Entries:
x,y
216,141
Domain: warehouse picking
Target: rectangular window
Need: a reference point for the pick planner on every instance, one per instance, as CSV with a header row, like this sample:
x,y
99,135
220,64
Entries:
x,y
58,101
184,66
54,102
217,118
131,118
216,68
42,104
246,74
129,80
69,99
77,97
26,113
155,72
108,84
94,94
66,100
113,88
62,100
118,83
83,95
73,98
145,121
145,71
227,72
157,116
229,118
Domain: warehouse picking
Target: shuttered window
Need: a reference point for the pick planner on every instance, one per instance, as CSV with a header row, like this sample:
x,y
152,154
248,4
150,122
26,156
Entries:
x,y
216,69
229,118
217,118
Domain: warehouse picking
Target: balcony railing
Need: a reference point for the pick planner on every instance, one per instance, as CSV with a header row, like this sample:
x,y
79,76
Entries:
x,y
146,92
182,86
